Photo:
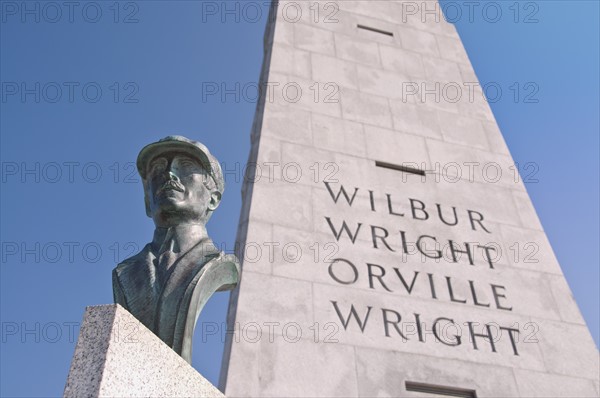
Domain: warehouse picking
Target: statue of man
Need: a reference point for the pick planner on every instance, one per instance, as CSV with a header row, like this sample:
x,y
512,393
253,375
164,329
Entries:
x,y
166,285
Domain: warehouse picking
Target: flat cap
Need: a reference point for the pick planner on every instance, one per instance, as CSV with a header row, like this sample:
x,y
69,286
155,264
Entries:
x,y
178,143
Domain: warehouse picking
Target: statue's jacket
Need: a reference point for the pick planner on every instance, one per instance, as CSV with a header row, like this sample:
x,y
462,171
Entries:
x,y
168,302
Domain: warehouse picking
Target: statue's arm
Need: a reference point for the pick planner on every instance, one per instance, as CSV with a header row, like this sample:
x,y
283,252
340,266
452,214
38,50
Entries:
x,y
118,294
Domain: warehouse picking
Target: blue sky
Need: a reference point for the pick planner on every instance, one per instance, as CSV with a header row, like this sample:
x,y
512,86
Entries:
x,y
72,205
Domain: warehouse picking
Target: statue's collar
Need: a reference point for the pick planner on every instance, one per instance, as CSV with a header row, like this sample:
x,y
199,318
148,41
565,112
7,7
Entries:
x,y
178,239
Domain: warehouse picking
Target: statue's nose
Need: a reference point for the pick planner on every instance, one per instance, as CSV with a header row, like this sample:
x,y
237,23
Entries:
x,y
173,176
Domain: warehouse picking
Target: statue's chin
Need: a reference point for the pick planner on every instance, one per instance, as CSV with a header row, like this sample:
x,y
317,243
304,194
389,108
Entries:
x,y
175,214
170,194
170,201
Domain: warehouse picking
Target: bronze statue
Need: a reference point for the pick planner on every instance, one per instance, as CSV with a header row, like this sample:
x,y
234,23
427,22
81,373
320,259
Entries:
x,y
166,285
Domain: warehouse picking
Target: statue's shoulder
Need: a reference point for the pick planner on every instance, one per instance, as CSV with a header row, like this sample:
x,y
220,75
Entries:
x,y
212,254
133,261
209,256
222,257
219,260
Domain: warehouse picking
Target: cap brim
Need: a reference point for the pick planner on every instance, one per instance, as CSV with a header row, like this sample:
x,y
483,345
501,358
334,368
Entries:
x,y
153,150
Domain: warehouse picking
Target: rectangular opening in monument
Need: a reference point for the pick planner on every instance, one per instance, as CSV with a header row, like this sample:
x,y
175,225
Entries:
x,y
433,390
383,32
398,167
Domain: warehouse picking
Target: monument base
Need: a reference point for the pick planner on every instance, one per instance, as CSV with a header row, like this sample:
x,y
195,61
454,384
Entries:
x,y
117,356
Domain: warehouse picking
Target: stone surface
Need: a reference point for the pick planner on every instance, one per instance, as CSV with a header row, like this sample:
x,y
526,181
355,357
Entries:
x,y
117,356
337,301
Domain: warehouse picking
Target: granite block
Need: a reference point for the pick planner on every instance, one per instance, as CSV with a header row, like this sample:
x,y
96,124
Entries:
x,y
117,356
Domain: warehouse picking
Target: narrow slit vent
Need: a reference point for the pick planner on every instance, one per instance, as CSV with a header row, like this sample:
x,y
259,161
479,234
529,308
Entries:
x,y
383,32
398,167
440,390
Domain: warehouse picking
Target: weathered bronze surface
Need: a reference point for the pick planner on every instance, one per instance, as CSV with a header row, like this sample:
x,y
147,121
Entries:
x,y
166,285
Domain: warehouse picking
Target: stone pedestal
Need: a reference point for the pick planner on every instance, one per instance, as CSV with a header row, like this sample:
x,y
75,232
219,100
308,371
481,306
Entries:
x,y
118,356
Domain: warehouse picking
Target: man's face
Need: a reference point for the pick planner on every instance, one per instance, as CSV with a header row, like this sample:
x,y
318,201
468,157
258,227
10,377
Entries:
x,y
176,190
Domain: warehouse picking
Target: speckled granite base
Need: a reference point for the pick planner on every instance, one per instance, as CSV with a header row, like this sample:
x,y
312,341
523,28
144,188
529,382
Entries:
x,y
117,356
